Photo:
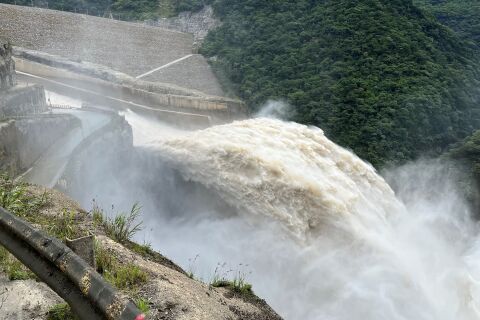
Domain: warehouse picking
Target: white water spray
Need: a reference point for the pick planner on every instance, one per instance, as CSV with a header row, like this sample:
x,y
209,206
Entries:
x,y
354,250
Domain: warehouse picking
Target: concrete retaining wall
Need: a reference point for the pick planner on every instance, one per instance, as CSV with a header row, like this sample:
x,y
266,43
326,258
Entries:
x,y
8,147
22,100
215,105
175,98
23,141
115,140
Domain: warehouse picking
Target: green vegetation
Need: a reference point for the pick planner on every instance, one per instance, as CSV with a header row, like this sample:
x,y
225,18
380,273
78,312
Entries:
x,y
192,267
122,276
467,156
191,5
145,250
64,226
238,285
379,76
143,305
60,311
463,16
15,198
122,227
469,152
13,268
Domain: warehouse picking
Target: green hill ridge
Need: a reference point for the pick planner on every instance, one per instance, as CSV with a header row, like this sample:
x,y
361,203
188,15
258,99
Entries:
x,y
390,79
381,77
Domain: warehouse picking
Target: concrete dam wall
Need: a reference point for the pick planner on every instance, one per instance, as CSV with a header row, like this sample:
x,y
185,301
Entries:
x,y
23,141
21,101
131,48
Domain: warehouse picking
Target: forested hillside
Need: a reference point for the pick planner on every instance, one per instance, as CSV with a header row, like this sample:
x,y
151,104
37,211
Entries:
x,y
463,16
379,76
390,79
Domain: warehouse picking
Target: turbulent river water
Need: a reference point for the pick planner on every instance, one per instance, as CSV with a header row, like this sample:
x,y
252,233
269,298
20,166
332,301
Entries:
x,y
326,237
316,230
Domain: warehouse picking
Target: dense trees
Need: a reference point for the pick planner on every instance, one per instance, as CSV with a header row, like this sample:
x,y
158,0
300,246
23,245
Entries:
x,y
380,76
463,16
390,79
467,157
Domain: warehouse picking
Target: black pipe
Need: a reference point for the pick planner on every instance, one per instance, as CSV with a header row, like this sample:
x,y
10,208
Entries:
x,y
87,293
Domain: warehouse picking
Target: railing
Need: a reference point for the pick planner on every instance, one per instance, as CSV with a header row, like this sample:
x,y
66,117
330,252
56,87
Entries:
x,y
61,106
87,293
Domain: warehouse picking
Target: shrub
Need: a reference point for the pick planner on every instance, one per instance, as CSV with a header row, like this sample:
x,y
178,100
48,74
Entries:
x,y
60,311
64,226
238,284
142,305
15,198
124,277
124,226
128,276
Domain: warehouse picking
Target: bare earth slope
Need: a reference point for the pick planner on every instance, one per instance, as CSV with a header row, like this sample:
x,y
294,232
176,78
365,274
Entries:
x,y
170,293
132,48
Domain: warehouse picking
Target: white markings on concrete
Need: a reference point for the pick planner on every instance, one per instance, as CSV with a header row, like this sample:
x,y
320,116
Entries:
x,y
194,115
164,66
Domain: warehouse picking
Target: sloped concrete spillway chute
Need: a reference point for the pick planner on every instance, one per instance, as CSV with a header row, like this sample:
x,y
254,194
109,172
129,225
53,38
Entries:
x,y
90,297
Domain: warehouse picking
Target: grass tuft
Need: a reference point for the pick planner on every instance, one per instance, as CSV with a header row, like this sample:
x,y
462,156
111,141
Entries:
x,y
64,226
61,311
120,228
238,285
145,250
192,267
123,277
15,198
143,305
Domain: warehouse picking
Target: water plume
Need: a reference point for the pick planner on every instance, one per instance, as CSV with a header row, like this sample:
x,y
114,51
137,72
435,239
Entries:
x,y
323,234
326,236
275,109
285,171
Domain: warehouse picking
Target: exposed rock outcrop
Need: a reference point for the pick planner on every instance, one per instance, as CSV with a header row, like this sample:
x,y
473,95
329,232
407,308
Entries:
x,y
197,23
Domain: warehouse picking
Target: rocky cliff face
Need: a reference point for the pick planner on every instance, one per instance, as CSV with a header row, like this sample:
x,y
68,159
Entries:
x,y
197,23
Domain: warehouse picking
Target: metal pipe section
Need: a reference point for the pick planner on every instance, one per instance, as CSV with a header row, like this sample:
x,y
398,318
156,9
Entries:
x,y
87,293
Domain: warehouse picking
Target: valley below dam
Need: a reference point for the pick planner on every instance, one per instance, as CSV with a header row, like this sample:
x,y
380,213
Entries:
x,y
120,105
317,231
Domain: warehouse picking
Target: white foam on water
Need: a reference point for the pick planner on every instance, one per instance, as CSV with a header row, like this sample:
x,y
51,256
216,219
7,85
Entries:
x,y
325,235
